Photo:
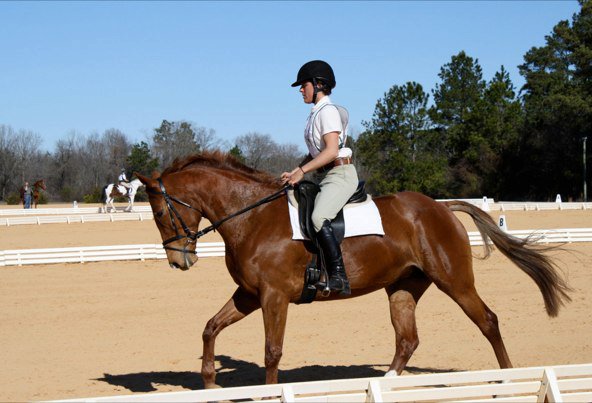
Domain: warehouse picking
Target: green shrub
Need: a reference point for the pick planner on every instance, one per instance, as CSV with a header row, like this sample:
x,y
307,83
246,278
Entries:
x,y
94,197
66,193
13,199
141,196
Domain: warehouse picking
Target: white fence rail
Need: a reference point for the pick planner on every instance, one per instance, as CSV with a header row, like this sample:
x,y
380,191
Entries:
x,y
65,211
491,205
20,257
76,218
529,206
564,383
92,214
564,235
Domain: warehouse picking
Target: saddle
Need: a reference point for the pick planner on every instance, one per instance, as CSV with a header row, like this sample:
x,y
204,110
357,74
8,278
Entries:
x,y
121,190
305,193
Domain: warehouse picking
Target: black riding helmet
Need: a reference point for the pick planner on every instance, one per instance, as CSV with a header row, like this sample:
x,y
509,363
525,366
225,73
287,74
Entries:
x,y
315,70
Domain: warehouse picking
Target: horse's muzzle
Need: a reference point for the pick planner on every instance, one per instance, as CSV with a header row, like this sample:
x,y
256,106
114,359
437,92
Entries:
x,y
188,260
176,265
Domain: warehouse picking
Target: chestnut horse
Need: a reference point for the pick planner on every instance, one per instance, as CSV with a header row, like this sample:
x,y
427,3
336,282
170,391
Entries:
x,y
40,184
424,243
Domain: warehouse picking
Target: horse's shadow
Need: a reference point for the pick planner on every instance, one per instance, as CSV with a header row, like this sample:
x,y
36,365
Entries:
x,y
233,372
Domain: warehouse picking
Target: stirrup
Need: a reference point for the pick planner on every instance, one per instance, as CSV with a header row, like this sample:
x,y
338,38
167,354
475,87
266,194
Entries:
x,y
344,288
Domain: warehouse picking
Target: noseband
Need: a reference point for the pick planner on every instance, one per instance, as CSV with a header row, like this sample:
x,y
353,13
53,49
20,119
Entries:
x,y
192,236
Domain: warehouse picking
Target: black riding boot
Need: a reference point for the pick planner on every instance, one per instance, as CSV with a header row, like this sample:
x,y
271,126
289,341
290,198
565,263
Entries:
x,y
333,259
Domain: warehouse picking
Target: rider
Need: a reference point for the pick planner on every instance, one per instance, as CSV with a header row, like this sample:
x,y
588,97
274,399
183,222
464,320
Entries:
x,y
325,136
123,181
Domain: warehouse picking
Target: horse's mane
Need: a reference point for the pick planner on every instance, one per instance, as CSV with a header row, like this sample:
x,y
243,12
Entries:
x,y
220,160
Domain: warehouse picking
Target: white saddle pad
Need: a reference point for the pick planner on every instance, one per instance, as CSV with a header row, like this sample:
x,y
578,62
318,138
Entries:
x,y
360,219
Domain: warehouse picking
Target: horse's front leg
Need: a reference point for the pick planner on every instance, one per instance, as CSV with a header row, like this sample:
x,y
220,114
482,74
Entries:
x,y
275,312
130,204
110,203
240,305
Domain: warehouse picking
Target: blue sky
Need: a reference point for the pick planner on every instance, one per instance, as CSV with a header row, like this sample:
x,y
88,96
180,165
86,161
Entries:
x,y
86,67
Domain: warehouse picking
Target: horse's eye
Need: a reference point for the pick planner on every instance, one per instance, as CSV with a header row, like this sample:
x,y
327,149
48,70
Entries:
x,y
159,214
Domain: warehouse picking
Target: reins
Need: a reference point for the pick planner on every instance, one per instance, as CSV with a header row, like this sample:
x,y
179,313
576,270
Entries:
x,y
190,235
267,199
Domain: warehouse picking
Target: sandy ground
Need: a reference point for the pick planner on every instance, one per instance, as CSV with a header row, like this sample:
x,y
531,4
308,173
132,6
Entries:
x,y
99,329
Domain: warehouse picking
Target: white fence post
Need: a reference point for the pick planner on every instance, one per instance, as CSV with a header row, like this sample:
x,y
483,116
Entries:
x,y
374,393
287,394
549,391
485,204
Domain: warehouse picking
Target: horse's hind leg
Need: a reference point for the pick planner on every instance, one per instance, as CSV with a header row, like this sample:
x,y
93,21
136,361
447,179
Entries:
x,y
459,284
403,298
474,307
240,305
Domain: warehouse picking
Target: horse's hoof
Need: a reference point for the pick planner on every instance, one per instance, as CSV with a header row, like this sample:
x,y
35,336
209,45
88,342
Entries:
x,y
212,386
391,374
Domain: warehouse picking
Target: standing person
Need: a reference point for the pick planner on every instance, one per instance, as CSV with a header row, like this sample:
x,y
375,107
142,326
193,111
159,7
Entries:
x,y
27,195
325,135
122,180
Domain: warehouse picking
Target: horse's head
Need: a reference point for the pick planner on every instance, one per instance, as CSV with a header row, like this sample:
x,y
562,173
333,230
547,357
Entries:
x,y
40,183
176,219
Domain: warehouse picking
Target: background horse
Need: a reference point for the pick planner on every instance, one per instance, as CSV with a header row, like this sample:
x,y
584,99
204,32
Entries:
x,y
111,191
424,243
40,184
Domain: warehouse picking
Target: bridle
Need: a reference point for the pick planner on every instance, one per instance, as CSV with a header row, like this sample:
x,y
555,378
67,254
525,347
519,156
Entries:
x,y
192,236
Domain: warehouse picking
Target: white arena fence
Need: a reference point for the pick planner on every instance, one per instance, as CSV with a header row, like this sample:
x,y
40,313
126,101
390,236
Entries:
x,y
563,383
75,218
92,214
142,252
65,211
20,257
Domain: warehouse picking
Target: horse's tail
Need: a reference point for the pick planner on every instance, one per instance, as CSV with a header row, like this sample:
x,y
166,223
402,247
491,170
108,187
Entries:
x,y
104,194
525,253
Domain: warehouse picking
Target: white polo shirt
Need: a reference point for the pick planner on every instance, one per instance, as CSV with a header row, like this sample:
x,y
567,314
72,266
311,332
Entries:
x,y
326,117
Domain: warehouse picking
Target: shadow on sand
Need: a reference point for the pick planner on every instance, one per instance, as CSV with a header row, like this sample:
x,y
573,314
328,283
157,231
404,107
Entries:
x,y
231,372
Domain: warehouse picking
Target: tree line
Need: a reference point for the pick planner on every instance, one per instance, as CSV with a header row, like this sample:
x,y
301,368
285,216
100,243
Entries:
x,y
481,137
82,165
466,137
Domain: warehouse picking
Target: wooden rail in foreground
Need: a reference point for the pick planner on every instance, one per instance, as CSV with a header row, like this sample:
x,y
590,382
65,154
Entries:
x,y
562,383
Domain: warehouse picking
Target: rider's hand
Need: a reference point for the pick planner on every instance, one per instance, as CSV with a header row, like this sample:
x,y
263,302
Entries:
x,y
293,177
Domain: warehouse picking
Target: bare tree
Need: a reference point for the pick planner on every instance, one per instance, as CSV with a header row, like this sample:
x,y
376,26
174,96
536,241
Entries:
x,y
68,165
8,160
96,155
18,153
286,158
179,139
257,149
206,138
261,152
118,148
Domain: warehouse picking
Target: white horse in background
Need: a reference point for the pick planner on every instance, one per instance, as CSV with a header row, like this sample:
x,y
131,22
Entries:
x,y
111,191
